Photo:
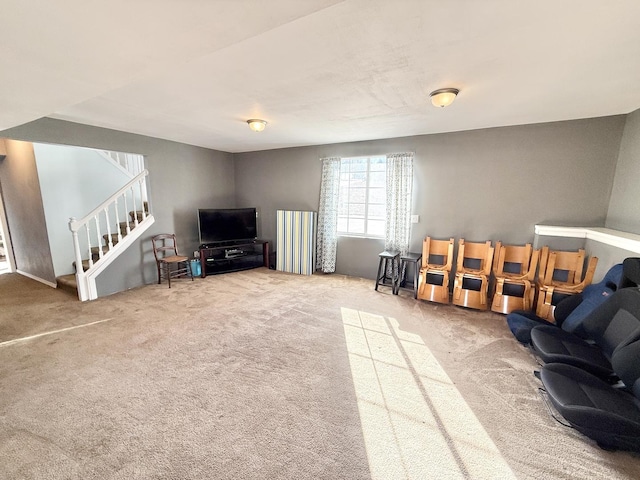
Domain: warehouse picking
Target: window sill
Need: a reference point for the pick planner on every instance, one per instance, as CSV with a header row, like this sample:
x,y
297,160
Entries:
x,y
353,235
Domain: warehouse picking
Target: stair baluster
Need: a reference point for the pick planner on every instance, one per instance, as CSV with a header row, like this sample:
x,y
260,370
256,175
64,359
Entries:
x,y
106,216
144,210
97,223
86,227
118,220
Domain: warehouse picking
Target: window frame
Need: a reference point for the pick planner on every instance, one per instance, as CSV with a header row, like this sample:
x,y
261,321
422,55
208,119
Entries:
x,y
367,203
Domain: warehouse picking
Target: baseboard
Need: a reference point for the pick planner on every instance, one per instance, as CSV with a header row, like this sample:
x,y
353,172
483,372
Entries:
x,y
37,279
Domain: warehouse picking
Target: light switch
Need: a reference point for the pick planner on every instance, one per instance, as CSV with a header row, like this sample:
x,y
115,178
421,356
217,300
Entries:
x,y
415,218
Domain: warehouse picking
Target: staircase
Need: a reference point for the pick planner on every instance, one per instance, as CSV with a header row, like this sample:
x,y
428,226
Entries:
x,y
69,282
100,246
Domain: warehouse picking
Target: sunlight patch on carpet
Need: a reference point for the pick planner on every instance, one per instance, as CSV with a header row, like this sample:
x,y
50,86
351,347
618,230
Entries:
x,y
414,420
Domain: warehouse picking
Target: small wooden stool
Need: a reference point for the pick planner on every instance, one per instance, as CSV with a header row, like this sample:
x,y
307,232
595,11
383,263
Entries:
x,y
382,278
413,258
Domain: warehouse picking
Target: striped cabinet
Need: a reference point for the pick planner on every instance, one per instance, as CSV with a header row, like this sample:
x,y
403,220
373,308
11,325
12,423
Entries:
x,y
295,241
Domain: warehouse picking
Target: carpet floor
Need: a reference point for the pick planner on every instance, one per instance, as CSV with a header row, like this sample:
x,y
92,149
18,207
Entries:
x,y
266,375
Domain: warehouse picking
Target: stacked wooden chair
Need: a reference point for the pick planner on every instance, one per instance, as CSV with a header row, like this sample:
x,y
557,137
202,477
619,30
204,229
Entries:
x,y
437,260
560,275
471,285
514,270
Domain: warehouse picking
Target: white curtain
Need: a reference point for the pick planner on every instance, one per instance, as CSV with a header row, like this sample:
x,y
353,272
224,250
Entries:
x,y
327,242
399,187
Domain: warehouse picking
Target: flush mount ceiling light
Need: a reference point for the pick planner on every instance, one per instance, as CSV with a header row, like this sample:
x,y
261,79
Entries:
x,y
443,97
256,124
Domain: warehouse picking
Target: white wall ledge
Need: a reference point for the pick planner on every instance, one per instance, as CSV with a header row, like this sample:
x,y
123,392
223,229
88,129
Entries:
x,y
615,238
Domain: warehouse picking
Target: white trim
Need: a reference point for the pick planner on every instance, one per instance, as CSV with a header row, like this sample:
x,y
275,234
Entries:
x,y
37,279
615,238
554,231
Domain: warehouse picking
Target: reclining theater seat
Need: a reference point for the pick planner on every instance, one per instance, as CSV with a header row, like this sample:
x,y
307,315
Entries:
x,y
612,325
437,260
514,268
550,287
471,285
608,415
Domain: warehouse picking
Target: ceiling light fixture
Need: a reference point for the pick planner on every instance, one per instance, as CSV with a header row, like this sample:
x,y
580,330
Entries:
x,y
256,124
443,97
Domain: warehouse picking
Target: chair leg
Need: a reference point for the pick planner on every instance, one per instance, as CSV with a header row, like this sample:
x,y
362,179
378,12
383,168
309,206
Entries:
x,y
380,262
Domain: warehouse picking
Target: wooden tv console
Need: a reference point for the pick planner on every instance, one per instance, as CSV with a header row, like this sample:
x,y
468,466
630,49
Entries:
x,y
232,257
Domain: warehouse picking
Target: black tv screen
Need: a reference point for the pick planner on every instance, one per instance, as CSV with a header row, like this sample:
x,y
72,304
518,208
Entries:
x,y
226,225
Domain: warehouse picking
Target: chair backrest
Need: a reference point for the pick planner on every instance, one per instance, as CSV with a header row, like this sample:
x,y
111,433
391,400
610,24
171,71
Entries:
x,y
630,272
520,260
479,254
443,249
552,261
616,322
164,245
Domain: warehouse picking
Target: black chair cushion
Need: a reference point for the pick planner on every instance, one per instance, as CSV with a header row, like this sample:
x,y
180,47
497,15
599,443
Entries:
x,y
608,415
554,345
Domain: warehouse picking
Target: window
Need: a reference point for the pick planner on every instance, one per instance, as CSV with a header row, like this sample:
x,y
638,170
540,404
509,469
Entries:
x,y
362,197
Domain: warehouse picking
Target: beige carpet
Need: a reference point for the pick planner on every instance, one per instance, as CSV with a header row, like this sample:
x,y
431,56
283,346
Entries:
x,y
265,375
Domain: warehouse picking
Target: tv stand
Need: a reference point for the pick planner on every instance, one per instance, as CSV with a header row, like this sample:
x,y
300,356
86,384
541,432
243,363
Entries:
x,y
233,256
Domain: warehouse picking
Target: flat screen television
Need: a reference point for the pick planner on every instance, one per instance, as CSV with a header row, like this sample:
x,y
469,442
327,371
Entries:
x,y
227,225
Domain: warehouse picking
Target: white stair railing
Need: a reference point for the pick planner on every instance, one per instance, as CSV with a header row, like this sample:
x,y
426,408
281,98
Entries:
x,y
130,163
97,226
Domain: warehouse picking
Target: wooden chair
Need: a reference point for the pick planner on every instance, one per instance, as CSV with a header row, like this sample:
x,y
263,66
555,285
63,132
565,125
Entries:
x,y
561,273
170,264
514,270
433,282
471,284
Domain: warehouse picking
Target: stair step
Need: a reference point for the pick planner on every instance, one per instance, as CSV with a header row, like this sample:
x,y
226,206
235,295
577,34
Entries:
x,y
138,213
85,266
114,238
95,252
67,283
123,227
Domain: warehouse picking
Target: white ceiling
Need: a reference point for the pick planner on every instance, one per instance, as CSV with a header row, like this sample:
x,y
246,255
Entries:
x,y
319,71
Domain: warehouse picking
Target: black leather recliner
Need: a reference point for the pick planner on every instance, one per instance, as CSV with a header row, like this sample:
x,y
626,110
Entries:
x,y
610,326
608,415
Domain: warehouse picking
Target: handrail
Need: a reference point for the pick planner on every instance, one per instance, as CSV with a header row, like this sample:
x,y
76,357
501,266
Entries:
x,y
75,225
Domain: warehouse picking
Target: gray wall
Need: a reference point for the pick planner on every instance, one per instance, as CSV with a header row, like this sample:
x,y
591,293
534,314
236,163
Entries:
x,y
624,208
182,179
486,184
24,210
